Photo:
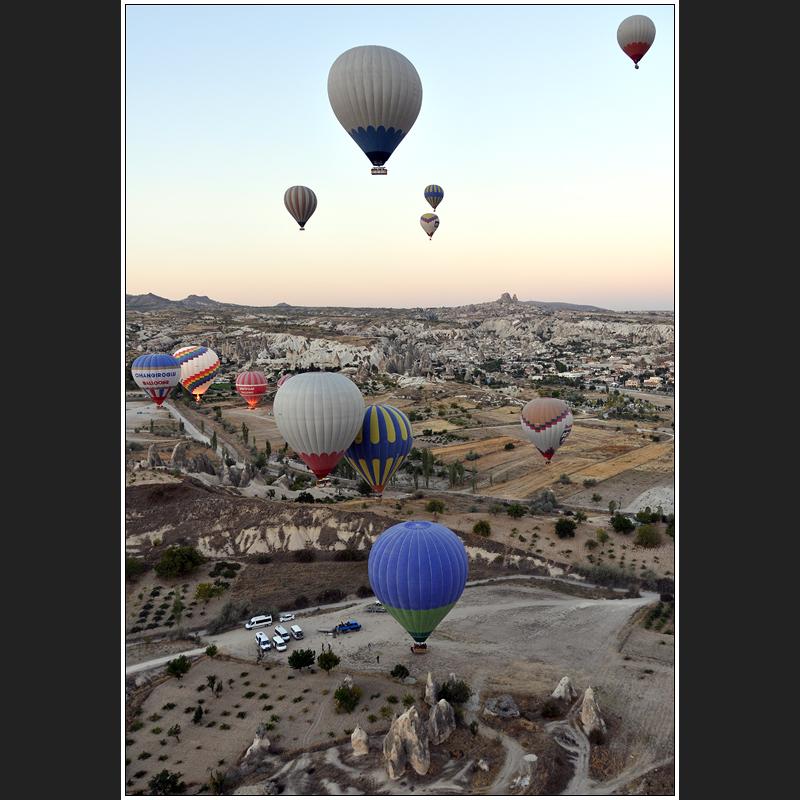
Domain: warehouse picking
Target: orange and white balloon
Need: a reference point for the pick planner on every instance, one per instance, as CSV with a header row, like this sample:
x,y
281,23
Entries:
x,y
547,422
636,35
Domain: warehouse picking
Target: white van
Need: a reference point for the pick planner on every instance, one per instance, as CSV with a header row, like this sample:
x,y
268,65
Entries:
x,y
282,632
296,631
280,645
259,622
262,640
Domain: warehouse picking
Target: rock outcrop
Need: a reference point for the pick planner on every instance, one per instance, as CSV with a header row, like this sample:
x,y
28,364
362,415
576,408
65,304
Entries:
x,y
441,723
501,706
590,714
260,743
360,741
565,690
153,458
432,690
407,743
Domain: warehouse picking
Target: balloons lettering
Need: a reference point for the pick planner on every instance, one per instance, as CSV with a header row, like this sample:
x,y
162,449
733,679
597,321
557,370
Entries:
x,y
157,375
418,571
251,386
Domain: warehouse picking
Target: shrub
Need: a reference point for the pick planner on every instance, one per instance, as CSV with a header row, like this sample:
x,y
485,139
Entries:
x,y
597,737
622,524
178,667
435,506
482,528
330,596
648,536
133,568
347,698
456,693
515,511
400,672
349,554
545,503
304,556
565,527
550,709
365,590
178,561
229,616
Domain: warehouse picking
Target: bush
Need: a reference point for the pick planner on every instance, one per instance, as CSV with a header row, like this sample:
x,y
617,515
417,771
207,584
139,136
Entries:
x,y
178,667
365,590
330,596
304,556
435,506
550,709
133,568
621,524
400,672
229,616
348,554
178,561
482,528
565,527
597,737
456,693
545,503
648,536
515,511
347,698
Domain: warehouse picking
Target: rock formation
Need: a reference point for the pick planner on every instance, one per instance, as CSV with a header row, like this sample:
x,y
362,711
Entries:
x,y
360,741
179,459
565,690
442,722
501,706
590,714
432,690
407,743
260,743
153,458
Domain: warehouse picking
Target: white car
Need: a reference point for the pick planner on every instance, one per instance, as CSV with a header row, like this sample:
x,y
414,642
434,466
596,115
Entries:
x,y
262,640
286,618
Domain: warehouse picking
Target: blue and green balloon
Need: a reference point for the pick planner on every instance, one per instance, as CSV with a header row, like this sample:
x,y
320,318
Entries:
x,y
418,571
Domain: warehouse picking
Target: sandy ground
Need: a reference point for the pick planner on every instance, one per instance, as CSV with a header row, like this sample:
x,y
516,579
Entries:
x,y
630,670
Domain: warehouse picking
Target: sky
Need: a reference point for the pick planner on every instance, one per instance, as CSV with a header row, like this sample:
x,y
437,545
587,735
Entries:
x,y
557,157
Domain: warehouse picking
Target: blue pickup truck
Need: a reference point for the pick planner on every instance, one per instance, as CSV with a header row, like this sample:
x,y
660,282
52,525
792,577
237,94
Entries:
x,y
346,627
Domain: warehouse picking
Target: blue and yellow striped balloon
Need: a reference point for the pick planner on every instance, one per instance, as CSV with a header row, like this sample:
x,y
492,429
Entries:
x,y
418,570
434,195
381,445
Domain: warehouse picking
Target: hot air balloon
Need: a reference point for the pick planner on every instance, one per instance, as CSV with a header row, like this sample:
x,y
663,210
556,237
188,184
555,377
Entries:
x,y
376,95
381,445
434,195
301,203
251,386
547,422
319,415
156,375
429,222
283,379
199,367
635,36
418,571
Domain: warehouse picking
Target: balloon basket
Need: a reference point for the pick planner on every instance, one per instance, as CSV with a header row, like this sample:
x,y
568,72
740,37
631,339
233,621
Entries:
x,y
379,171
419,649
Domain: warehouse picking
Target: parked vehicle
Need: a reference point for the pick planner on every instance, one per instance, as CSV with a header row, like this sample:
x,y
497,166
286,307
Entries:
x,y
345,627
262,640
259,622
296,631
282,632
286,618
280,645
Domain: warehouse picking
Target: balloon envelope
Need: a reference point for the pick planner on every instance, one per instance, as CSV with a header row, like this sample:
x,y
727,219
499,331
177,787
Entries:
x,y
381,445
547,422
635,35
376,95
434,195
199,367
157,375
319,415
418,570
251,386
301,203
429,222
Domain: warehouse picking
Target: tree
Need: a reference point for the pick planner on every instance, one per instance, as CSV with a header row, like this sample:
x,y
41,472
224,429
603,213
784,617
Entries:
x,y
327,661
301,658
178,667
178,561
166,783
482,528
133,568
515,511
435,506
177,606
347,697
456,693
175,731
648,536
399,671
245,432
621,524
565,527
612,506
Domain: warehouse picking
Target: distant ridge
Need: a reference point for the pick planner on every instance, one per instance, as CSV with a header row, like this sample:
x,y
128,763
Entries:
x,y
152,302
